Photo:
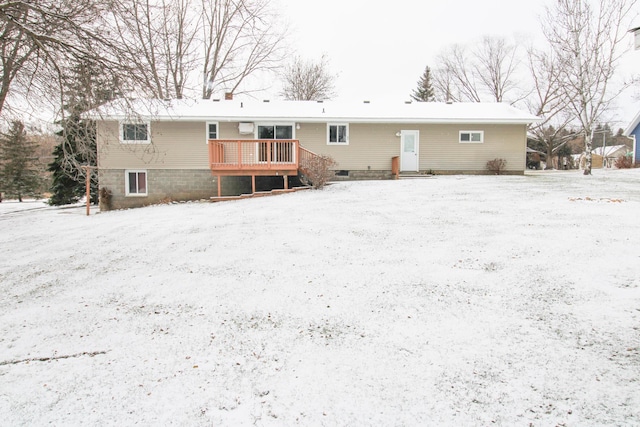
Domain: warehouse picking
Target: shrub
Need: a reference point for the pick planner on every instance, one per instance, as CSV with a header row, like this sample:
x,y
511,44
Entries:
x,y
105,199
317,171
496,166
625,162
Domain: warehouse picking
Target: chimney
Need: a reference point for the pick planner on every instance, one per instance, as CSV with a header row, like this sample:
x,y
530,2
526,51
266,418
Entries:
x,y
228,96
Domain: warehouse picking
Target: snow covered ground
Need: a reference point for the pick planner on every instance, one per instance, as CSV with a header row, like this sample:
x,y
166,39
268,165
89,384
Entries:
x,y
461,300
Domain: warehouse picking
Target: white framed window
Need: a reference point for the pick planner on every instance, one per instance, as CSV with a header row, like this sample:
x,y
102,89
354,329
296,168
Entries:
x,y
135,182
135,132
471,136
212,131
337,134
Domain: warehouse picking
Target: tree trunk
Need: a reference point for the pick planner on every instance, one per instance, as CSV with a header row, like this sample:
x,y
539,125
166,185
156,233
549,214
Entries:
x,y
549,164
587,152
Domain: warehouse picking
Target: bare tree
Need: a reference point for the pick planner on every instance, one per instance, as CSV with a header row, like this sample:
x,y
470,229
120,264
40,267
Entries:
x,y
307,80
157,39
486,71
496,64
39,38
177,47
548,102
586,38
454,72
241,38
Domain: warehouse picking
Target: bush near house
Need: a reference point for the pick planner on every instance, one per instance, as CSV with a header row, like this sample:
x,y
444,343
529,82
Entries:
x,y
497,166
317,171
625,162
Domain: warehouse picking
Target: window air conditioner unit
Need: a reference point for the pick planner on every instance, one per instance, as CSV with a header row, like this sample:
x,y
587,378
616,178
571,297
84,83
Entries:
x,y
245,128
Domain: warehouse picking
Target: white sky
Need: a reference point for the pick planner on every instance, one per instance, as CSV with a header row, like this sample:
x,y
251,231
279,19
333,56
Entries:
x,y
380,48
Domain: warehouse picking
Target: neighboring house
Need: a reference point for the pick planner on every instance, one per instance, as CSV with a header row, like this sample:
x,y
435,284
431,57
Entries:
x,y
633,131
609,155
181,150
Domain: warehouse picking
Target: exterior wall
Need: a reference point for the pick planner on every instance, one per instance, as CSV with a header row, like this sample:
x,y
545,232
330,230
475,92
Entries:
x,y
371,146
177,159
182,145
636,137
166,185
175,145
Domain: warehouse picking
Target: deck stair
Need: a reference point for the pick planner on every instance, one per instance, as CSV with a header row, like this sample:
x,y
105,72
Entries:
x,y
415,175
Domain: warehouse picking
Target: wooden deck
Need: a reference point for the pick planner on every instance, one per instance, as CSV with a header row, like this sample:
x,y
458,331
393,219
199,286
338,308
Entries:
x,y
257,157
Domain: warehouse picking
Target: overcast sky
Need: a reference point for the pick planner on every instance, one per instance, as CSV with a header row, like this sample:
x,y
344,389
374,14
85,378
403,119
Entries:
x,y
379,48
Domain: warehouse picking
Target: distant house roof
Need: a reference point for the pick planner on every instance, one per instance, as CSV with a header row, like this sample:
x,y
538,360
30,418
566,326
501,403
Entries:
x,y
633,125
312,111
610,150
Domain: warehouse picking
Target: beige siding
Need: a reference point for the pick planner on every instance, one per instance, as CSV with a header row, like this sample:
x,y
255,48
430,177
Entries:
x,y
370,146
373,145
175,145
181,145
440,148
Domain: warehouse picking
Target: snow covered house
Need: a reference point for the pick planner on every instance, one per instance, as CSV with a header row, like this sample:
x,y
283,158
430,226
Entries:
x,y
185,149
610,154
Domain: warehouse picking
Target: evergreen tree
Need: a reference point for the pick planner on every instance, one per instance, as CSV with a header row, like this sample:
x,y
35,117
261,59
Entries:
x,y
86,88
424,92
19,176
68,185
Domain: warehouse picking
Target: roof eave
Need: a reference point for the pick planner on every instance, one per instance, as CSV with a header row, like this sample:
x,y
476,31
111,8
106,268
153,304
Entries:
x,y
375,120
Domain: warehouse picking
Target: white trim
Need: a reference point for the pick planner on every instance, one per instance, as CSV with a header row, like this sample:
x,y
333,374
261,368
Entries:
x,y
346,125
207,131
471,132
126,183
121,125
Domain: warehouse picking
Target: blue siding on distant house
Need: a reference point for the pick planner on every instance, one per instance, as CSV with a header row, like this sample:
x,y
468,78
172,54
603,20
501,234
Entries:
x,y
636,134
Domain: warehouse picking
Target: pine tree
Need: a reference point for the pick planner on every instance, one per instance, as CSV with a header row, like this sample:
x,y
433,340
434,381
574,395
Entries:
x,y
424,92
19,176
86,88
68,186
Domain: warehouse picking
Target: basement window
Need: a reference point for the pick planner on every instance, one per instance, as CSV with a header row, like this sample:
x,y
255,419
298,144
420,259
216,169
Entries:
x,y
471,137
135,182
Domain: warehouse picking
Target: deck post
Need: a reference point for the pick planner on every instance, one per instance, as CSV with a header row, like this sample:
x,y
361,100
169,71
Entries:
x,y
219,185
253,184
286,181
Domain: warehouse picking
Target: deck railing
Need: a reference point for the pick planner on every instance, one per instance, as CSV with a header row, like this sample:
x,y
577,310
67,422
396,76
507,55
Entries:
x,y
306,157
255,155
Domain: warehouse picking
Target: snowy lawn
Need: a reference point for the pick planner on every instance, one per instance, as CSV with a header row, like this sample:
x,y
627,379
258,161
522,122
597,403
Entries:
x,y
462,300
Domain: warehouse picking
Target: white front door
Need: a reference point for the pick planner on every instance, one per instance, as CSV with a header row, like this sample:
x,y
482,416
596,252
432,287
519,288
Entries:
x,y
409,145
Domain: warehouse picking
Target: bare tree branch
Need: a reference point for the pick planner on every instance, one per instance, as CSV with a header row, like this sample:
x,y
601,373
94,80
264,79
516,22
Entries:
x,y
308,80
586,38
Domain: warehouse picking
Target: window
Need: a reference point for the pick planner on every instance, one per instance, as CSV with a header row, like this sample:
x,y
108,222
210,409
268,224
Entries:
x,y
134,133
212,131
136,183
338,134
281,151
275,131
471,136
